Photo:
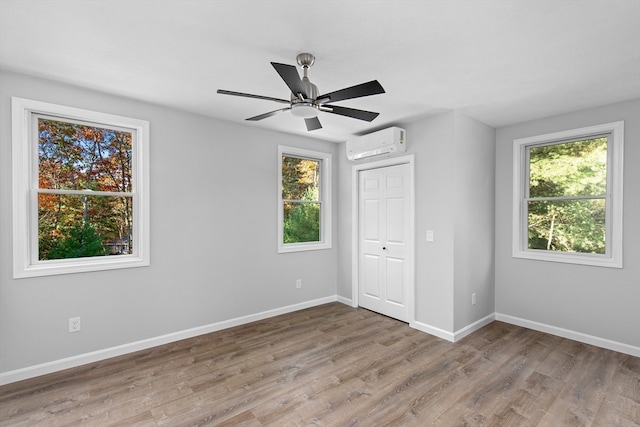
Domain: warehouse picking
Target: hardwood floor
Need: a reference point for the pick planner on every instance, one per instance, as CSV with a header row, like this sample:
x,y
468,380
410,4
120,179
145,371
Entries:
x,y
334,365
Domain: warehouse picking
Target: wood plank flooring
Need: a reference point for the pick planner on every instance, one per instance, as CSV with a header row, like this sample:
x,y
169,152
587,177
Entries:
x,y
334,365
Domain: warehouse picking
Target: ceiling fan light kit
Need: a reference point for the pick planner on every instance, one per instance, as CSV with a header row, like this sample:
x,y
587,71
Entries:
x,y
305,101
306,110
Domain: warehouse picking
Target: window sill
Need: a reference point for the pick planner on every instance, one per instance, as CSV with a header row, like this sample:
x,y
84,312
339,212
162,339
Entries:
x,y
301,247
569,258
79,265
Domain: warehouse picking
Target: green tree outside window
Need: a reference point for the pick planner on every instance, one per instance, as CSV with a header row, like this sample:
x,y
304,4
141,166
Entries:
x,y
301,199
566,206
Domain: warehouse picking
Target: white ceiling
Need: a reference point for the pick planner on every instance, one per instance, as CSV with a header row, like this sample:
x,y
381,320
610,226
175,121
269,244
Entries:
x,y
501,62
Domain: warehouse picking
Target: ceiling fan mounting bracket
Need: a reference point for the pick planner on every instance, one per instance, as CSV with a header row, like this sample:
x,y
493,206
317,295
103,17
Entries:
x,y
305,60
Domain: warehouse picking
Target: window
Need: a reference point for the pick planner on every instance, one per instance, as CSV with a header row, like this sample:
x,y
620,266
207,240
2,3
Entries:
x,y
568,196
80,183
304,200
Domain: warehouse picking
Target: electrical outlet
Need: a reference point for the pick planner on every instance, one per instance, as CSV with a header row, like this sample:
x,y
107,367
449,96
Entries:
x,y
298,283
74,324
473,299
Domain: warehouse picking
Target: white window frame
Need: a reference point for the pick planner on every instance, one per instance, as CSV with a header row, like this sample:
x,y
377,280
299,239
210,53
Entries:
x,y
324,196
25,186
613,199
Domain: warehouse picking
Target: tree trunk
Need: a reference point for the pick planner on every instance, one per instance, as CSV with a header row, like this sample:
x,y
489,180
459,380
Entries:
x,y
553,220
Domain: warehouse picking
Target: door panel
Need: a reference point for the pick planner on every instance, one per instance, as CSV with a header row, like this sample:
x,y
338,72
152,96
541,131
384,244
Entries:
x,y
383,224
394,182
371,220
372,276
371,184
395,274
395,228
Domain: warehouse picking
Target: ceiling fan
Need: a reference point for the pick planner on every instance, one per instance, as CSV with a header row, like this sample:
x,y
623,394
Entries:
x,y
305,101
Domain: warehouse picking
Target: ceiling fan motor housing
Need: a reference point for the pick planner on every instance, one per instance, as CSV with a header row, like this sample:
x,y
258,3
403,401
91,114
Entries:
x,y
310,88
307,108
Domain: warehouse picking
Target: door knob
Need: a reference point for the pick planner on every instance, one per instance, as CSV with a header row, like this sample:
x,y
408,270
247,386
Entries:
x,y
384,248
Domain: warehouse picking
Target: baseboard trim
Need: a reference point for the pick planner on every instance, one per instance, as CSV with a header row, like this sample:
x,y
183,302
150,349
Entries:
x,y
453,336
573,335
469,329
345,301
432,330
95,356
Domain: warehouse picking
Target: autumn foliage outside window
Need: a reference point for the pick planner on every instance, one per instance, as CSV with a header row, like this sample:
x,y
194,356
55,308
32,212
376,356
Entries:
x,y
85,203
80,190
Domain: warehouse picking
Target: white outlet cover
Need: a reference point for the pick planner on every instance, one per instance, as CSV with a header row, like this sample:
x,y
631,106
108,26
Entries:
x,y
74,324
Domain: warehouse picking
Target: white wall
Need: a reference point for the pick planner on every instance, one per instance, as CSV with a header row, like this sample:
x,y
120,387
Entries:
x,y
213,235
602,303
454,189
474,216
432,141
213,238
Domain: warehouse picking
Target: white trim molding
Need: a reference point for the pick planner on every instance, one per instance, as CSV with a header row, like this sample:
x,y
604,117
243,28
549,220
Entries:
x,y
471,328
432,330
457,335
529,324
573,335
324,200
25,188
345,301
614,204
95,356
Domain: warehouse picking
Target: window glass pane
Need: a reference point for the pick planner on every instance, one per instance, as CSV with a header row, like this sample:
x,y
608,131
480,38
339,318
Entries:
x,y
301,222
72,156
577,168
300,178
74,226
567,226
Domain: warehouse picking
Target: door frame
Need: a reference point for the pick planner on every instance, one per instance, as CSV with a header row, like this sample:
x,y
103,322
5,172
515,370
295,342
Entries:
x,y
355,204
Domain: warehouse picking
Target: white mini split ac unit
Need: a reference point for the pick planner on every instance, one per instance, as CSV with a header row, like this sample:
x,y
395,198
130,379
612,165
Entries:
x,y
386,141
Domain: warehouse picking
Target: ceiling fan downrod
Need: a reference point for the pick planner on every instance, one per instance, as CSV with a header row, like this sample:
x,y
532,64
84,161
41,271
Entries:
x,y
301,106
